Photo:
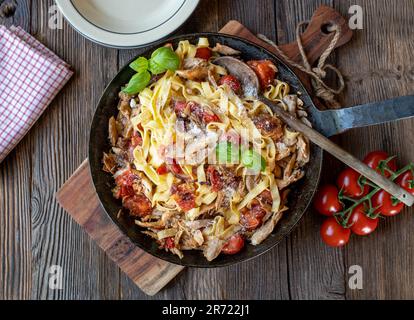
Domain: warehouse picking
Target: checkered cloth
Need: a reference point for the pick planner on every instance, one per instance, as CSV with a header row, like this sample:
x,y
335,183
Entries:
x,y
30,77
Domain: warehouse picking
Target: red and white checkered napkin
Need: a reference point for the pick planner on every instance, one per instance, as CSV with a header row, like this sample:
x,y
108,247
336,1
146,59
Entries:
x,y
30,77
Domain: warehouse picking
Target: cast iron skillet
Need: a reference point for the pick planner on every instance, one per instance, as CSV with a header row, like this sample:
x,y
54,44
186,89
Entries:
x,y
327,122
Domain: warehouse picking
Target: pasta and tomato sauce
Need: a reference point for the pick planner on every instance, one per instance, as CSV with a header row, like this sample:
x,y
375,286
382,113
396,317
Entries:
x,y
198,165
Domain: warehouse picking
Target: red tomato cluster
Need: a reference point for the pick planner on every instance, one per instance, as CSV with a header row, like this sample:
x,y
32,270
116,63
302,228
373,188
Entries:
x,y
354,205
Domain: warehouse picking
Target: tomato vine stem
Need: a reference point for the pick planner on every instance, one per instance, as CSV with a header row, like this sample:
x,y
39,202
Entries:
x,y
343,217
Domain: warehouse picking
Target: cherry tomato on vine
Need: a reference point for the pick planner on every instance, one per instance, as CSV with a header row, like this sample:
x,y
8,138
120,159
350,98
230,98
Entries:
x,y
333,234
374,158
233,245
362,225
348,182
386,205
326,201
406,181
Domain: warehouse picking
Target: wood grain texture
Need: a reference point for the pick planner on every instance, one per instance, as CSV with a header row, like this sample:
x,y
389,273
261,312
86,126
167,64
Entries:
x,y
59,141
35,232
376,67
78,197
315,271
15,206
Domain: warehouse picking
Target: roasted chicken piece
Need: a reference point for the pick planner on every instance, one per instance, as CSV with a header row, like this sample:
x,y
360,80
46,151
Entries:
x,y
225,50
199,73
200,115
184,196
138,205
221,177
109,163
269,126
113,131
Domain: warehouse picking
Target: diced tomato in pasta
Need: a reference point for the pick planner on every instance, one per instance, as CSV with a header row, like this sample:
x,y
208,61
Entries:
x,y
265,70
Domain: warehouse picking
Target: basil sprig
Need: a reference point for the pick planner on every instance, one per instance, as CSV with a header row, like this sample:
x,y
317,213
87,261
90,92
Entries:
x,y
139,65
162,59
253,160
138,82
228,153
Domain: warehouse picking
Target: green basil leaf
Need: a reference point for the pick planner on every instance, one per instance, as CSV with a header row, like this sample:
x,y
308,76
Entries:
x,y
139,65
253,160
164,59
227,153
138,83
155,68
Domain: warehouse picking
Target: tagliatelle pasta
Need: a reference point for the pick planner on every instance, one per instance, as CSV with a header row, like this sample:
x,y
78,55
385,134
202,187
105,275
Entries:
x,y
200,166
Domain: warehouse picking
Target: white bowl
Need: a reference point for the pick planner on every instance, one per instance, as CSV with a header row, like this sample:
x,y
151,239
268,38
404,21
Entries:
x,y
126,23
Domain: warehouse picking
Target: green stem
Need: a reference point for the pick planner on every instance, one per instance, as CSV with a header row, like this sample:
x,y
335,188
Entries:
x,y
368,197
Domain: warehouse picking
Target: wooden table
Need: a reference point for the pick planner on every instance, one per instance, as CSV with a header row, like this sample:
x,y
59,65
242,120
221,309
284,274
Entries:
x,y
36,233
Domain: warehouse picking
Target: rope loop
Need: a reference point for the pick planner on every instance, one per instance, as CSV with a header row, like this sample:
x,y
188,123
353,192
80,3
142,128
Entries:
x,y
318,73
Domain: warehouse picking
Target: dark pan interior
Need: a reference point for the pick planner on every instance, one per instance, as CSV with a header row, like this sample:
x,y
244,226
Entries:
x,y
299,199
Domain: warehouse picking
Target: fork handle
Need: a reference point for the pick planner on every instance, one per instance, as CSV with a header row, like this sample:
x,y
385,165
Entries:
x,y
341,154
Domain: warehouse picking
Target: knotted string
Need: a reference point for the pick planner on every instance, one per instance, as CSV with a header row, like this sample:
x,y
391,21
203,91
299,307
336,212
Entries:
x,y
318,74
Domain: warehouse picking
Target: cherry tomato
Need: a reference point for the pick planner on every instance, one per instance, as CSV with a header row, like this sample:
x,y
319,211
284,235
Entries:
x,y
203,53
232,82
176,168
265,70
326,200
333,234
162,170
361,224
208,118
252,218
386,205
233,245
169,243
173,166
374,158
406,181
215,179
348,183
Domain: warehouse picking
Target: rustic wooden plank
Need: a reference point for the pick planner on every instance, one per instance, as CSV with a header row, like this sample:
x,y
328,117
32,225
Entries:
x,y
315,272
60,140
15,231
16,13
376,67
15,192
78,197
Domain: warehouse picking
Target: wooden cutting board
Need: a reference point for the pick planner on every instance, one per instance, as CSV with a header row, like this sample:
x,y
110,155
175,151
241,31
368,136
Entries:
x,y
78,197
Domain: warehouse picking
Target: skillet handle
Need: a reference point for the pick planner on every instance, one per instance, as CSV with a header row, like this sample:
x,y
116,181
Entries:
x,y
339,153
333,122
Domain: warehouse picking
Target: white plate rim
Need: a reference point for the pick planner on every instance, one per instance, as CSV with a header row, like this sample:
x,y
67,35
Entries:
x,y
124,40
